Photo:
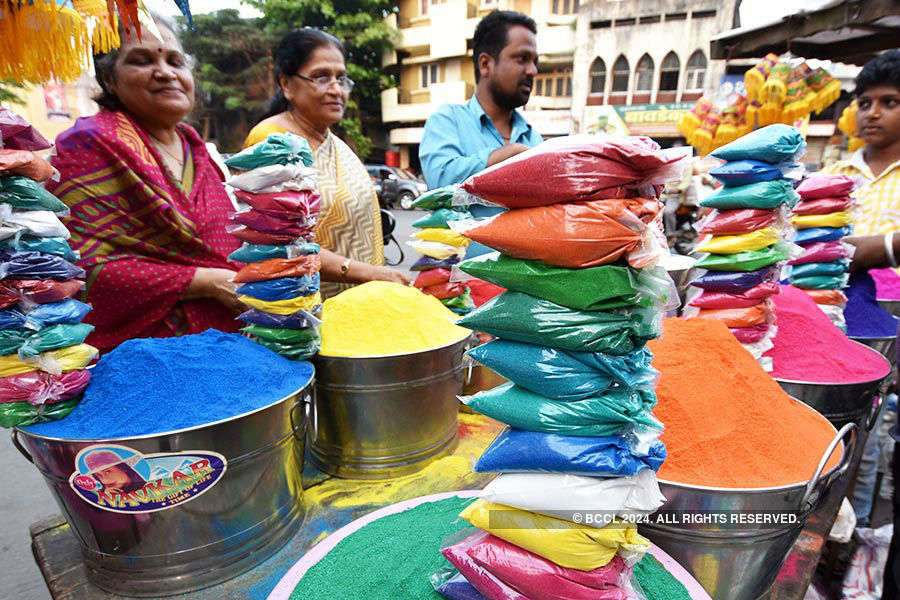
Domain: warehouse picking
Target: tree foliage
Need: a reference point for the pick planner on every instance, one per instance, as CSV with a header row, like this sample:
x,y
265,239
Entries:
x,y
10,90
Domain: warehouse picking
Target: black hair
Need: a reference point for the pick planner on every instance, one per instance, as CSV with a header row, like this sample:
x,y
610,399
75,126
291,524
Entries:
x,y
293,51
491,34
105,64
884,69
135,481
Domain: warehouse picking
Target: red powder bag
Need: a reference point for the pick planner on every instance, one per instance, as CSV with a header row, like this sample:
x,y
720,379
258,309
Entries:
x,y
828,297
8,297
577,168
738,221
575,235
751,316
823,206
43,291
279,267
267,223
252,236
25,163
289,204
38,387
823,252
482,580
445,290
751,297
483,291
825,186
751,335
432,277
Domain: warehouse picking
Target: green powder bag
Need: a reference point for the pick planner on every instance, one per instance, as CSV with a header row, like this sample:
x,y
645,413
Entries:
x,y
282,335
435,199
656,583
20,414
821,282
523,318
300,351
763,194
617,411
277,149
26,194
747,261
595,288
12,339
460,304
440,218
57,336
48,245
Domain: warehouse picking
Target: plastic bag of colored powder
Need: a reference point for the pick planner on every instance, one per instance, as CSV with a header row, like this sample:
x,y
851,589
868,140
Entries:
x,y
38,387
865,317
558,495
488,586
744,172
277,149
750,297
282,335
805,237
26,194
820,282
541,579
55,337
264,238
436,199
440,218
299,320
574,235
282,288
290,204
432,277
823,206
12,319
443,291
751,335
68,312
736,222
828,297
739,317
8,297
483,292
824,252
42,223
523,318
444,236
576,169
21,414
834,267
749,261
520,451
292,351
257,252
765,194
426,263
461,304
276,178
25,163
562,542
746,242
458,587
36,265
284,307
268,224
437,250
12,339
772,144
564,375
837,219
825,186
48,245
41,291
55,361
595,288
616,412
19,134
279,267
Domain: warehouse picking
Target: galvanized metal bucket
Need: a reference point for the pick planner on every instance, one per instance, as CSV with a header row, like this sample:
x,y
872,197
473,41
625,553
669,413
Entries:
x,y
386,416
734,560
892,306
234,524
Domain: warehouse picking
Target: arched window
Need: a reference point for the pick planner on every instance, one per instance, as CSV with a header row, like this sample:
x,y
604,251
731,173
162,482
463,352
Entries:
x,y
696,71
668,73
644,74
620,75
598,76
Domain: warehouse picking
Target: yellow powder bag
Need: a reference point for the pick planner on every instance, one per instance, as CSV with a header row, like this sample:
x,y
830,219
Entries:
x,y
284,307
437,250
836,219
562,542
381,318
444,236
746,242
72,358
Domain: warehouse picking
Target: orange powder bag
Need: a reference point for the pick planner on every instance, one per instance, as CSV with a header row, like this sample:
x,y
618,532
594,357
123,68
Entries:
x,y
828,297
25,163
748,316
576,235
728,424
279,267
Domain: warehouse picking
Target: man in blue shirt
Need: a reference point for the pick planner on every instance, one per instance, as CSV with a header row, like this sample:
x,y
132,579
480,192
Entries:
x,y
462,139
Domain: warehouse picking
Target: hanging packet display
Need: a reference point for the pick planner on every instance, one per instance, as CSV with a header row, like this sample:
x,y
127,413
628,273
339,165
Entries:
x,y
577,168
444,236
744,172
299,320
54,337
617,412
520,451
734,282
432,277
565,375
737,221
805,237
48,245
523,318
772,144
25,163
834,267
27,194
436,199
42,291
426,263
69,312
825,186
35,265
72,358
748,261
293,351
596,288
751,335
274,268
19,134
746,242
575,235
281,288
38,387
765,194
823,206
836,219
21,414
257,252
281,335
443,291
747,298
284,307
824,252
821,282
289,204
275,178
440,218
269,224
277,149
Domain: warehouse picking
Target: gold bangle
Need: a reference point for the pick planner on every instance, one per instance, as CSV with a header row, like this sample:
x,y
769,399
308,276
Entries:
x,y
345,268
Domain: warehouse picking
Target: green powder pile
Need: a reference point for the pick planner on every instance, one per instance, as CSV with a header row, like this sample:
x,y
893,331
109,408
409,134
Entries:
x,y
389,559
656,582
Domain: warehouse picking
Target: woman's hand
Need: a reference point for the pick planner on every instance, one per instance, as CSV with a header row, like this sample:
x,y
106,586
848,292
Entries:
x,y
388,274
215,284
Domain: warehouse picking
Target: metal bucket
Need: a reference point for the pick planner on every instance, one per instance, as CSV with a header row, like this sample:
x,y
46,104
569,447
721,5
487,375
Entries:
x,y
734,561
386,416
248,509
892,306
886,346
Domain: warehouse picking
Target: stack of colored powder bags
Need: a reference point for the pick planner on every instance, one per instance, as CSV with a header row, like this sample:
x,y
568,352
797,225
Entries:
x,y
43,357
747,237
578,242
822,218
280,281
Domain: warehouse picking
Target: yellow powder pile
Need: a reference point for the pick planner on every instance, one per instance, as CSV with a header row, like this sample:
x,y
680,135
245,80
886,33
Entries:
x,y
380,318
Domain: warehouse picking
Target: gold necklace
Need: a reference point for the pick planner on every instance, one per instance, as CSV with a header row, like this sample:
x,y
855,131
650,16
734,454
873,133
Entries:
x,y
178,166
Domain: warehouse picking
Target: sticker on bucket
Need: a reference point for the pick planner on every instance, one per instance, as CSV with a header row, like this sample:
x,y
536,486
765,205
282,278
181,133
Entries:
x,y
121,479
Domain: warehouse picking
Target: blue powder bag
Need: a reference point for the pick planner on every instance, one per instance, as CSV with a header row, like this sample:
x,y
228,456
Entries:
x,y
744,172
772,144
155,385
440,218
458,588
298,320
48,245
282,288
734,282
565,375
248,253
277,149
11,318
69,311
821,234
820,282
519,451
832,268
36,265
865,317
762,195
426,263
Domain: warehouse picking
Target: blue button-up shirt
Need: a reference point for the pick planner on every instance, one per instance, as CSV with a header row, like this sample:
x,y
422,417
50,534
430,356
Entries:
x,y
459,138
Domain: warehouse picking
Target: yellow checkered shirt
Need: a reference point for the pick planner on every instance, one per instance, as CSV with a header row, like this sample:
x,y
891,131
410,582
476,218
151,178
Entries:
x,y
877,198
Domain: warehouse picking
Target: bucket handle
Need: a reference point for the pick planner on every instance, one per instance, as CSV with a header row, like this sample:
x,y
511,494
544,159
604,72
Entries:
x,y
807,501
467,361
14,434
307,402
874,411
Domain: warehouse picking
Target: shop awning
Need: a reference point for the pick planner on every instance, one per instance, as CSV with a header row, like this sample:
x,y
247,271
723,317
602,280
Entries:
x,y
848,31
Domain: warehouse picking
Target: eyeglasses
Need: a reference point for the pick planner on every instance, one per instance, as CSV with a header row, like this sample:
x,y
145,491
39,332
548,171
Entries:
x,y
323,82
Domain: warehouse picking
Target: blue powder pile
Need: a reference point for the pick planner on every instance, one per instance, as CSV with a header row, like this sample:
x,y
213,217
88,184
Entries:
x,y
865,317
155,385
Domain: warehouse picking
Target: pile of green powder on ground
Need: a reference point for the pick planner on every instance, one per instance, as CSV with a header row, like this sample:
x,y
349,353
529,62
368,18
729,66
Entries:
x,y
389,559
656,582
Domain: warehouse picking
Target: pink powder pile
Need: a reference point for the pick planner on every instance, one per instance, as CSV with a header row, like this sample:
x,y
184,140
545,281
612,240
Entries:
x,y
808,347
887,284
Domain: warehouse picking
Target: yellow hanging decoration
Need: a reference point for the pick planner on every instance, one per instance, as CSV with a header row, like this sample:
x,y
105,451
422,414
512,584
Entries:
x,y
105,35
847,126
756,77
692,119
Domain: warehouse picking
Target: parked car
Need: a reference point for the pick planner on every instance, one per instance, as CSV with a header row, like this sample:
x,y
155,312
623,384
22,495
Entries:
x,y
395,187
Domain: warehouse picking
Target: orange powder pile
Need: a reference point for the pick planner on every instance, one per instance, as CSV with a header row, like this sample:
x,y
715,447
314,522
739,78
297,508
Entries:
x,y
728,424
